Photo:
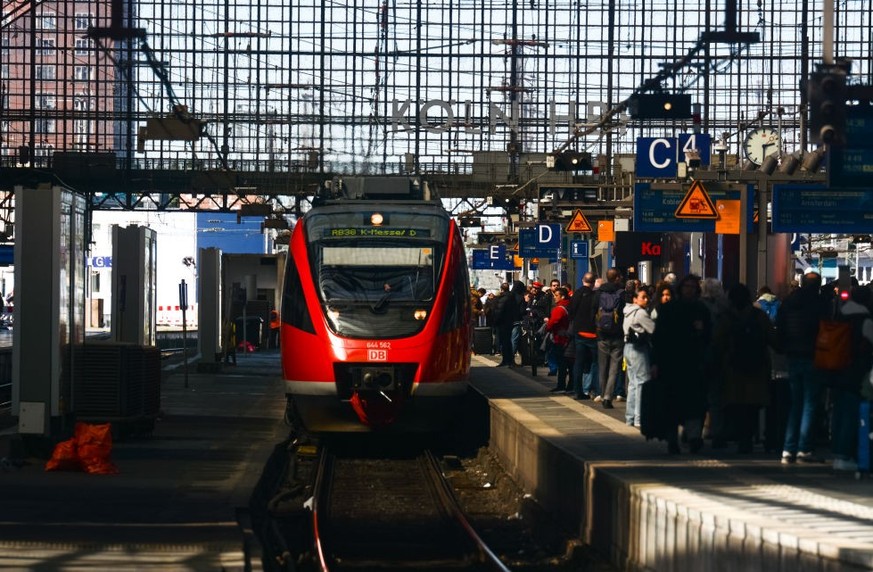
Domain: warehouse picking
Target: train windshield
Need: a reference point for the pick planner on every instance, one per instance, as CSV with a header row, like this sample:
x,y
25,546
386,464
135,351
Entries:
x,y
377,282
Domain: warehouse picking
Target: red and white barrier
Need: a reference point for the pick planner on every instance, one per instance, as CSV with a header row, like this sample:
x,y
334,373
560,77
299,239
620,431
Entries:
x,y
171,316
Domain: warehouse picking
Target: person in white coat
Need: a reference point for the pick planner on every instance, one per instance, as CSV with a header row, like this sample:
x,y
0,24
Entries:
x,y
638,329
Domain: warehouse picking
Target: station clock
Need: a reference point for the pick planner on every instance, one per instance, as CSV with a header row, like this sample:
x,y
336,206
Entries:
x,y
761,142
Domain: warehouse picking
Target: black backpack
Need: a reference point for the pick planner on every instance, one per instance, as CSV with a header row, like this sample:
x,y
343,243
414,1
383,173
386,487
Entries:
x,y
609,313
749,343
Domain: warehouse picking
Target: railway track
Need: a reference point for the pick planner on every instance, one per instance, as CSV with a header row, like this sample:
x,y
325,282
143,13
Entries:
x,y
336,512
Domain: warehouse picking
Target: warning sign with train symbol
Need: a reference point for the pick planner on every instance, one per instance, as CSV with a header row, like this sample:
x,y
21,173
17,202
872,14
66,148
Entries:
x,y
697,204
578,223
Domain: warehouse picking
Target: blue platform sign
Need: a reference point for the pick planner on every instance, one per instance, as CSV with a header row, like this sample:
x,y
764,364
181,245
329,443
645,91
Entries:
x,y
493,258
655,209
540,241
658,157
817,209
578,249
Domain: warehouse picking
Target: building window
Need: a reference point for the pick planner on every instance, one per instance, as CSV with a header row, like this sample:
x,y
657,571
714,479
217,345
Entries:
x,y
46,101
45,72
83,46
83,20
44,126
82,73
81,102
48,21
46,46
82,132
4,71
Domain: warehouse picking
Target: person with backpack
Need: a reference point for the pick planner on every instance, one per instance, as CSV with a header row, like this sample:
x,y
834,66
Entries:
x,y
683,332
797,322
610,301
741,341
768,302
582,313
846,384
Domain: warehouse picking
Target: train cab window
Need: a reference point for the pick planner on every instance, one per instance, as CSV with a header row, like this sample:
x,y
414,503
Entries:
x,y
377,279
294,310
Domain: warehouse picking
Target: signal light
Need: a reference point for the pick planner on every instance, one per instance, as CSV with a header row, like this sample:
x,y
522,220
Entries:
x,y
660,106
573,161
468,222
827,93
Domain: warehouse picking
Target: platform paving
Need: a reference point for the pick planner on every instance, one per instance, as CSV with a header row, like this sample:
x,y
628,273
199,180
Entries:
x,y
646,510
173,505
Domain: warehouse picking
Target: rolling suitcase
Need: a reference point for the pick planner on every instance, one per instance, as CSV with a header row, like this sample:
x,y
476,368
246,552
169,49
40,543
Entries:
x,y
654,407
483,343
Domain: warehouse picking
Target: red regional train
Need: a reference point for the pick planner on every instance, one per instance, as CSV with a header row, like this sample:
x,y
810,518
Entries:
x,y
375,331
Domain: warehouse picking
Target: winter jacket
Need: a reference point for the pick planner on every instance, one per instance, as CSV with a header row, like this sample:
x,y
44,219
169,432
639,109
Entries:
x,y
558,322
583,311
510,306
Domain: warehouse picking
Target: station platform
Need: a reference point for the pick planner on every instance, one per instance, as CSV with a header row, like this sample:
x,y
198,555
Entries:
x,y
173,505
643,509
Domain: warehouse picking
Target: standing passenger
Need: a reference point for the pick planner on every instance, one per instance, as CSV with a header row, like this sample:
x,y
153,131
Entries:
x,y
582,311
682,335
741,341
796,327
610,339
559,321
638,329
508,314
846,395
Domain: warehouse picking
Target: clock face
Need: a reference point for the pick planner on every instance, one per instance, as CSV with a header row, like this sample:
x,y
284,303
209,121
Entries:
x,y
760,143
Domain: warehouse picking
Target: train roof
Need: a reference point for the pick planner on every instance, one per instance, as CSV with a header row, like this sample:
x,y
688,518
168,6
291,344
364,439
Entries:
x,y
344,190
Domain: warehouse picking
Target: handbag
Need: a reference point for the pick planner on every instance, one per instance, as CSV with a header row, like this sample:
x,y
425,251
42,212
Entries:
x,y
547,339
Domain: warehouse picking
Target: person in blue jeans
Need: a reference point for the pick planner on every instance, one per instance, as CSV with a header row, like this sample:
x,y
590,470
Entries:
x,y
796,327
638,328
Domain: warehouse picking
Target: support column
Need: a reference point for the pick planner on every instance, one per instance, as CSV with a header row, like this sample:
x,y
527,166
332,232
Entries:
x,y
49,306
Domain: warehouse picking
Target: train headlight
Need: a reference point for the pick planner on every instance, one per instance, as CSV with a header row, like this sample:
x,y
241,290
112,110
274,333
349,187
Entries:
x,y
376,219
420,315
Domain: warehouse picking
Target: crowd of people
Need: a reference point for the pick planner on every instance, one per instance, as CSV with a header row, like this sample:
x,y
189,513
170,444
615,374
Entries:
x,y
694,360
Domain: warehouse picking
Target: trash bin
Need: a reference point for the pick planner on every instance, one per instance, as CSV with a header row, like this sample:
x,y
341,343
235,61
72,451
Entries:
x,y
253,331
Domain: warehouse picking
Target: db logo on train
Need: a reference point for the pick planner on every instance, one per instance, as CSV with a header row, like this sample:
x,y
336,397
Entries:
x,y
377,355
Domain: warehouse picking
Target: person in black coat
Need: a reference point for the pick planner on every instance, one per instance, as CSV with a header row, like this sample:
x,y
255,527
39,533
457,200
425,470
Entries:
x,y
682,336
507,312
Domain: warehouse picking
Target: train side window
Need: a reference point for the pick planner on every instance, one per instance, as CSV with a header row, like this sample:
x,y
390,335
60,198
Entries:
x,y
294,309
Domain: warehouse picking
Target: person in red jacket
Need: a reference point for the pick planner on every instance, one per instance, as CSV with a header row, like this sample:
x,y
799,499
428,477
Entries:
x,y
558,327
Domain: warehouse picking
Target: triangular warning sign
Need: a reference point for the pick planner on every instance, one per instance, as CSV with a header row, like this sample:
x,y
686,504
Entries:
x,y
697,204
578,223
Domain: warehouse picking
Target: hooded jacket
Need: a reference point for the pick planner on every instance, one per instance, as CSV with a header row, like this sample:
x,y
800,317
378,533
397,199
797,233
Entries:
x,y
637,319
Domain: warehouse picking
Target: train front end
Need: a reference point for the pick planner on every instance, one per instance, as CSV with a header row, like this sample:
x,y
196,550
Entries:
x,y
376,317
